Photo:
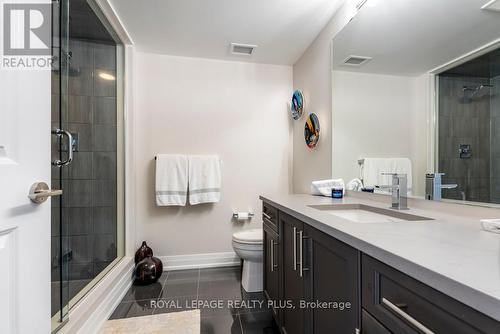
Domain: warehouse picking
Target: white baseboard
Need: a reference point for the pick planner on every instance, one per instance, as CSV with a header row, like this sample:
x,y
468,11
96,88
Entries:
x,y
96,307
193,261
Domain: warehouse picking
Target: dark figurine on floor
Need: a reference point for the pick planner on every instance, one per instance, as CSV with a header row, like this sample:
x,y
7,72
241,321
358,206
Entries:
x,y
148,269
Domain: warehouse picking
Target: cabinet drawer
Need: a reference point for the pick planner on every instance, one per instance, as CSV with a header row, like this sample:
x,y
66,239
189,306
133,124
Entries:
x,y
270,216
370,325
405,305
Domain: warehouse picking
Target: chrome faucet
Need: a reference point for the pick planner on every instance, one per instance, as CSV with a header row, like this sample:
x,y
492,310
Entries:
x,y
434,186
399,189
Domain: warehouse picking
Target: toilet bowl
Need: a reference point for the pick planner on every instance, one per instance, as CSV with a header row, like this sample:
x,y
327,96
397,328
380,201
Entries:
x,y
248,246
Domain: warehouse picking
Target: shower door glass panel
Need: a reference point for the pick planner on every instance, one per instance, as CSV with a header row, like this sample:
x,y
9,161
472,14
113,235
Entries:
x,y
91,208
469,129
59,227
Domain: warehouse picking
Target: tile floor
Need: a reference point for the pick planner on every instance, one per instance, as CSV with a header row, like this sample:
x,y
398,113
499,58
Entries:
x,y
216,291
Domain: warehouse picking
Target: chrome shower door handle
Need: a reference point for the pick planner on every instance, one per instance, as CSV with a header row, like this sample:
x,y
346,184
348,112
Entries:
x,y
60,133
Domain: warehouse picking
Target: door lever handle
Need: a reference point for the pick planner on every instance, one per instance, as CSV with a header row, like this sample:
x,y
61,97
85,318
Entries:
x,y
39,192
60,133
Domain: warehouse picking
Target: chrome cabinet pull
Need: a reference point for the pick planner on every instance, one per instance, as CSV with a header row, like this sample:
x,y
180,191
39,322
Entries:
x,y
294,248
271,244
301,254
60,133
275,244
406,317
267,216
40,192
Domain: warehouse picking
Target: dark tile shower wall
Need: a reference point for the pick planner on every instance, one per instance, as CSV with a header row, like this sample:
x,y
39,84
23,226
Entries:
x,y
495,140
464,122
89,183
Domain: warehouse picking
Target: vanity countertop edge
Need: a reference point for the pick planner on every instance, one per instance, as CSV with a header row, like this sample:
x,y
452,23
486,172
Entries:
x,y
441,243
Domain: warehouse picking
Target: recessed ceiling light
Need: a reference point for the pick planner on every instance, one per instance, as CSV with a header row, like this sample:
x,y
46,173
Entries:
x,y
242,49
492,5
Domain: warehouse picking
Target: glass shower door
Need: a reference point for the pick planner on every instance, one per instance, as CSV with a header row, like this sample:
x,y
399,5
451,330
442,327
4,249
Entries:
x,y
59,231
88,220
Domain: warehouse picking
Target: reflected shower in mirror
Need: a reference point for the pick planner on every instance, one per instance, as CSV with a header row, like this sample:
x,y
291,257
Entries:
x,y
469,129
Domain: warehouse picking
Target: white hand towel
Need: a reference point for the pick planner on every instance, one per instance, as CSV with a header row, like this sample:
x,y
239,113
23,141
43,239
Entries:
x,y
324,187
205,179
171,180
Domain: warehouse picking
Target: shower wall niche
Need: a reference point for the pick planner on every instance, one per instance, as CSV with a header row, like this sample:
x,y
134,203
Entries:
x,y
469,129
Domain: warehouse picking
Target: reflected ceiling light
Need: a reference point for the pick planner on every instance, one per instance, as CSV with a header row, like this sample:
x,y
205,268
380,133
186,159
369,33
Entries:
x,y
368,3
106,76
492,5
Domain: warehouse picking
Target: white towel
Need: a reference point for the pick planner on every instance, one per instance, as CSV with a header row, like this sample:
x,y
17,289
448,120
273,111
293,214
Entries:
x,y
205,179
373,168
324,187
171,179
355,185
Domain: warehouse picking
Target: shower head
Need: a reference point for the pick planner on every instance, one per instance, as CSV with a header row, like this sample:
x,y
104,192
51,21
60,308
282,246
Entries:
x,y
474,89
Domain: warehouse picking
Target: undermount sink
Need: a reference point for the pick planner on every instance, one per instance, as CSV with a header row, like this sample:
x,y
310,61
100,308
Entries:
x,y
361,213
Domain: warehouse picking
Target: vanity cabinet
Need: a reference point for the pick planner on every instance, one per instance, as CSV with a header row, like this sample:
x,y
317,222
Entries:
x,y
292,320
272,269
404,305
331,276
303,264
320,278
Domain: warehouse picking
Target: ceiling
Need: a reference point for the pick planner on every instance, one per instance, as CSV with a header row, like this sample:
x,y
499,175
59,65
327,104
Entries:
x,y
406,37
84,23
282,29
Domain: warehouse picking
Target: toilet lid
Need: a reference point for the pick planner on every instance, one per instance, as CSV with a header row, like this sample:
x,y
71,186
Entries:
x,y
249,236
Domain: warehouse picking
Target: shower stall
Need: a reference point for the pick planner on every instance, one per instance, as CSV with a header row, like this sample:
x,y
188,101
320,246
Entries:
x,y
87,152
469,129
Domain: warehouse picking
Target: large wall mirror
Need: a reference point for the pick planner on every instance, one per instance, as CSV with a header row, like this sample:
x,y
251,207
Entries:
x,y
420,80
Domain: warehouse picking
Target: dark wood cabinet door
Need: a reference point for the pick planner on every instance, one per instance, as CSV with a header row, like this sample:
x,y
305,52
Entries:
x,y
292,320
370,325
331,284
271,267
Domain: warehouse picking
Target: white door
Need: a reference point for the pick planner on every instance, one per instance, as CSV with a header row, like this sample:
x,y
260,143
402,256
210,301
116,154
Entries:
x,y
25,114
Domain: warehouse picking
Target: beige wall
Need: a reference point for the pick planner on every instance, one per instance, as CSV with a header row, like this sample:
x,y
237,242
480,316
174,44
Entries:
x,y
199,106
386,122
312,75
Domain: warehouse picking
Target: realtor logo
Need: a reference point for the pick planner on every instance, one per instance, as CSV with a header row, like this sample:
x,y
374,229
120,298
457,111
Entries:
x,y
27,29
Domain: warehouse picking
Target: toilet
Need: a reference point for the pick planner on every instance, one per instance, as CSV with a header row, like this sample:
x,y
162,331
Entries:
x,y
248,246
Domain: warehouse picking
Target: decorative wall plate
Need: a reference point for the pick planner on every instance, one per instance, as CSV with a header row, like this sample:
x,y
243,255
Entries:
x,y
297,104
311,131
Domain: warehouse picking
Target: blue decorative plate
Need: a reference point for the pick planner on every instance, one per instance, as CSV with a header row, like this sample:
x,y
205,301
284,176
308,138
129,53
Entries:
x,y
311,131
297,104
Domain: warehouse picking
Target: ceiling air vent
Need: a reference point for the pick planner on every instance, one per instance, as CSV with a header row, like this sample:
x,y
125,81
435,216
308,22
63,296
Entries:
x,y
356,61
492,5
242,49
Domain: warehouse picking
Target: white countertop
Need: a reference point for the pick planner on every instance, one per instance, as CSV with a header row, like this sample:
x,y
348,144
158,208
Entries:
x,y
450,253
